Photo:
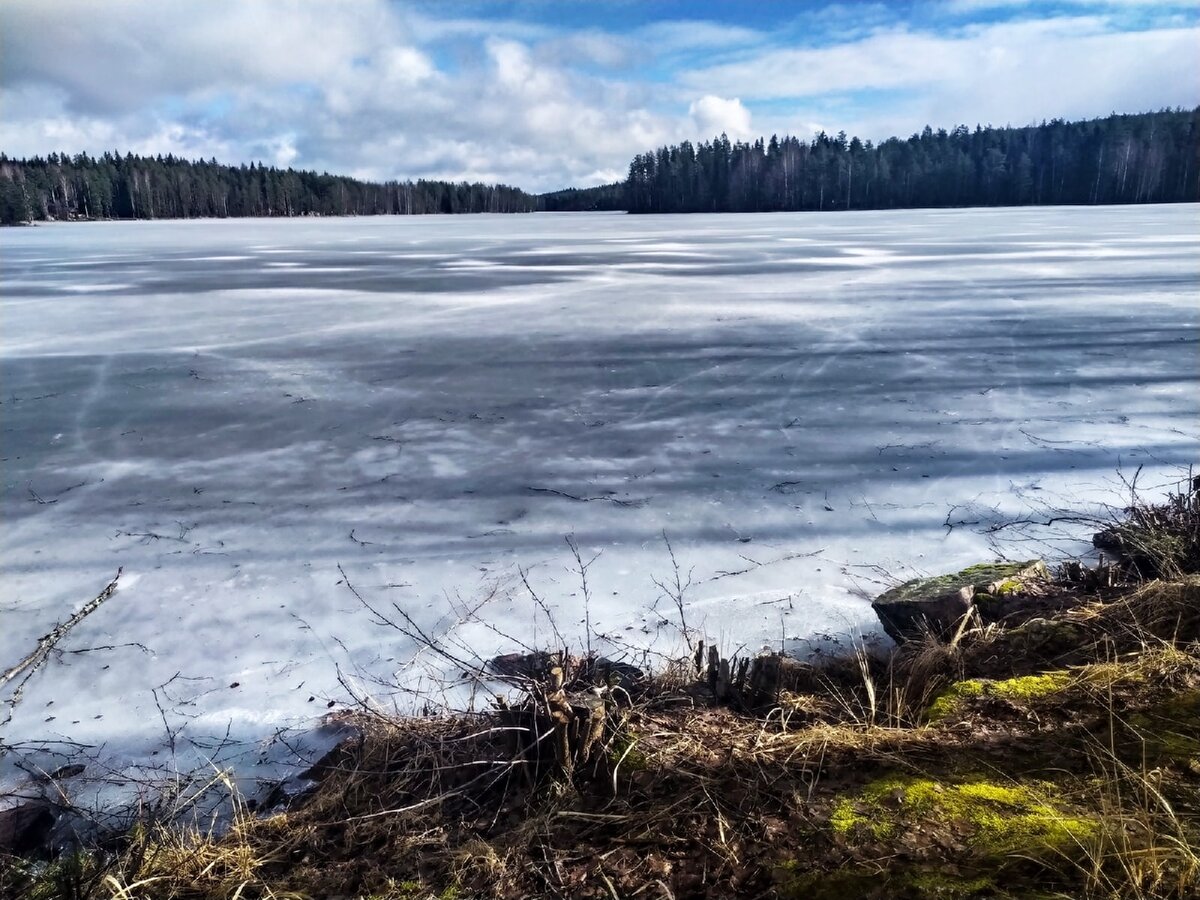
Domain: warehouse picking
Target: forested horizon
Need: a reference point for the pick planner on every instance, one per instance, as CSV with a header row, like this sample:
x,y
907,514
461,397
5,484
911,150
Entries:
x,y
1139,158
1133,158
111,186
604,197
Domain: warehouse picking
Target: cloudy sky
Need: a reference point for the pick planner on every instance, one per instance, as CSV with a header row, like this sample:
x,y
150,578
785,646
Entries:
x,y
553,93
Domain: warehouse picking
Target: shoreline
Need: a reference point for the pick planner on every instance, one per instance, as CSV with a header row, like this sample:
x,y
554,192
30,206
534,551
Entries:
x,y
1044,739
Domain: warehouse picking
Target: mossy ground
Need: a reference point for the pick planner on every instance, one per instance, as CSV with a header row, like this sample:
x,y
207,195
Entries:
x,y
907,882
1170,729
996,819
1024,689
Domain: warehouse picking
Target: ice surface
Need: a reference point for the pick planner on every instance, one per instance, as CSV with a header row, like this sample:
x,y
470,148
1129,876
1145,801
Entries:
x,y
801,402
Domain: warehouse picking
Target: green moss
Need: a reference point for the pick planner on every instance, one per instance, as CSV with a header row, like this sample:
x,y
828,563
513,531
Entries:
x,y
992,571
1171,728
940,884
977,577
1029,687
401,890
1025,689
847,821
949,700
414,890
623,751
997,819
824,885
60,877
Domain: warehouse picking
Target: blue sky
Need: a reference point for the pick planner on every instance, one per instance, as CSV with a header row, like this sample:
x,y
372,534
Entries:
x,y
551,93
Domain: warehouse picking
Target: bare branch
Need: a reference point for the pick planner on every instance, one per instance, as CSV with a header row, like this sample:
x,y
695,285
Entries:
x,y
678,589
524,573
35,659
606,497
581,570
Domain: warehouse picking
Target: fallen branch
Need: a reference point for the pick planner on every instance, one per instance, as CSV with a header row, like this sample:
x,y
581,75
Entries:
x,y
47,642
34,660
148,536
579,499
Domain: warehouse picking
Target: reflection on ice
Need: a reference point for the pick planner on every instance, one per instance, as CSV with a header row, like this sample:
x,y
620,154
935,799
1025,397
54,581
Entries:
x,y
806,405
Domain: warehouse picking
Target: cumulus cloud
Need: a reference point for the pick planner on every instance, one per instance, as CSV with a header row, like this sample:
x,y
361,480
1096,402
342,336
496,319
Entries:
x,y
116,56
1012,72
345,86
384,89
714,115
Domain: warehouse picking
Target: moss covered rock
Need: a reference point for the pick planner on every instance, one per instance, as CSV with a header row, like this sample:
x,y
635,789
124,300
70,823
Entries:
x,y
938,604
1042,638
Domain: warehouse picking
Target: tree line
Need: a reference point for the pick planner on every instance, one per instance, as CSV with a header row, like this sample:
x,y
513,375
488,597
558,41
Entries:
x,y
112,186
1143,158
603,197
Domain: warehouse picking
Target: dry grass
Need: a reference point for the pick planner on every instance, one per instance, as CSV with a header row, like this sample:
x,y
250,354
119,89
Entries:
x,y
1158,539
1148,848
683,798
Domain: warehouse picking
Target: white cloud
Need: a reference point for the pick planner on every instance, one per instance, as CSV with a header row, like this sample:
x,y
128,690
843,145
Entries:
x,y
377,89
603,50
116,55
347,87
602,176
713,115
885,60
970,6
1002,73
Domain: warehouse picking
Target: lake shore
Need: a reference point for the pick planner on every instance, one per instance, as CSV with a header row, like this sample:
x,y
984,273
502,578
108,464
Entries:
x,y
1048,744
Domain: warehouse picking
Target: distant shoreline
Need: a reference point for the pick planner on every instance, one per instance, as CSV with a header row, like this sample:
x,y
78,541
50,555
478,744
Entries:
x,y
1118,160
96,220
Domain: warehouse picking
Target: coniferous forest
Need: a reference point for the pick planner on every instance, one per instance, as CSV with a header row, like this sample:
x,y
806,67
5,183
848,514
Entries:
x,y
141,187
604,197
1144,158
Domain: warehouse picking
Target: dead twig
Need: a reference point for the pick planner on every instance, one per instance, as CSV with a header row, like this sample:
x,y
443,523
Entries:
x,y
578,499
677,590
581,568
38,656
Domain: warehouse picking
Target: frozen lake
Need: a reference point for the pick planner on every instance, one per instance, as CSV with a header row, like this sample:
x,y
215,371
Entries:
x,y
801,402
